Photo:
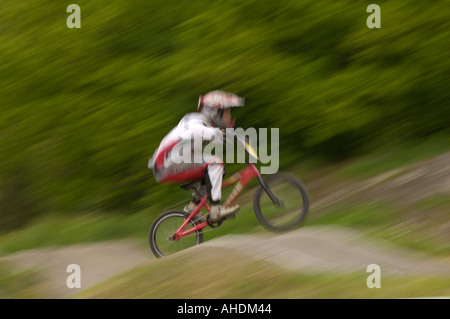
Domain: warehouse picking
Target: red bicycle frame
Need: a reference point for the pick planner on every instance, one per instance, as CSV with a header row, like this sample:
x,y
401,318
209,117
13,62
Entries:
x,y
240,179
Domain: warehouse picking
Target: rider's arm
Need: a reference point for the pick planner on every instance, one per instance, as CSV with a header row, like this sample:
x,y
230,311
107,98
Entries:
x,y
200,131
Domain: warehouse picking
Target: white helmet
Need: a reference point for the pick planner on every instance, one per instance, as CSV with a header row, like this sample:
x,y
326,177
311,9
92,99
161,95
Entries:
x,y
213,103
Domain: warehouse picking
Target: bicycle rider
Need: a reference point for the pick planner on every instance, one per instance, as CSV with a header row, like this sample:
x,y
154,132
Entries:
x,y
212,117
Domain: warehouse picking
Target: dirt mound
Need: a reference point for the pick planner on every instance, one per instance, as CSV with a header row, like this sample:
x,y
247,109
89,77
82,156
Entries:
x,y
318,249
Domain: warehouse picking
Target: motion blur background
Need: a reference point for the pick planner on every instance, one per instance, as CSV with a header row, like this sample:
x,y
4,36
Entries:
x,y
82,110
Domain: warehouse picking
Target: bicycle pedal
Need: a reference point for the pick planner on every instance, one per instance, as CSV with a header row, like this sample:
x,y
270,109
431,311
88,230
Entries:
x,y
211,223
231,216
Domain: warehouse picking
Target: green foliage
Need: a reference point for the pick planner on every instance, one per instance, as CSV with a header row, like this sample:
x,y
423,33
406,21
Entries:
x,y
84,109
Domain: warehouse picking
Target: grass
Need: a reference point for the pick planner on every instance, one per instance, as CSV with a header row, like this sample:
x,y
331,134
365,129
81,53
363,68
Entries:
x,y
18,284
391,157
67,230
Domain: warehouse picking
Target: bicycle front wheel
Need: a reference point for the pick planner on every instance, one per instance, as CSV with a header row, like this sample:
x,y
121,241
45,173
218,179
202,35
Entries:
x,y
287,205
162,230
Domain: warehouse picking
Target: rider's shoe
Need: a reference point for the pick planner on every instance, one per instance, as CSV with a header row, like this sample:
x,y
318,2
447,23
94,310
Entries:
x,y
219,212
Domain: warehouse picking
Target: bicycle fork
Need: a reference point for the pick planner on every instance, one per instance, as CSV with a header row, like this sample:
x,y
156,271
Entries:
x,y
269,192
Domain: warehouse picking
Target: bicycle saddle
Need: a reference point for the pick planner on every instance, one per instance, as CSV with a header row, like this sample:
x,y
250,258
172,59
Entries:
x,y
191,185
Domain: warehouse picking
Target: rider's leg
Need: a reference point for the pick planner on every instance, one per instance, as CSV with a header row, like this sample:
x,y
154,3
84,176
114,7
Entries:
x,y
213,177
181,173
196,198
213,170
212,184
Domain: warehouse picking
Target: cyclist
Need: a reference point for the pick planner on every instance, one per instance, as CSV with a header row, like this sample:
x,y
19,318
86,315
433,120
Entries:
x,y
208,124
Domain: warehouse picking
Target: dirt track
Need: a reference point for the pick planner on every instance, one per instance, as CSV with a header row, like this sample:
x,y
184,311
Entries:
x,y
309,249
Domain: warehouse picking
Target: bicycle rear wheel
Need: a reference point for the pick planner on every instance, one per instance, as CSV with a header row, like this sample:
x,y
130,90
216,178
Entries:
x,y
162,230
291,202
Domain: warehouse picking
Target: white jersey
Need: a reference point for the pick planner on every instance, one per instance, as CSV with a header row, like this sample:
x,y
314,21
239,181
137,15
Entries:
x,y
191,127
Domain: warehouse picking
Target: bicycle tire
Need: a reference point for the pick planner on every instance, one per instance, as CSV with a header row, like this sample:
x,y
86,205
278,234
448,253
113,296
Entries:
x,y
157,234
297,217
